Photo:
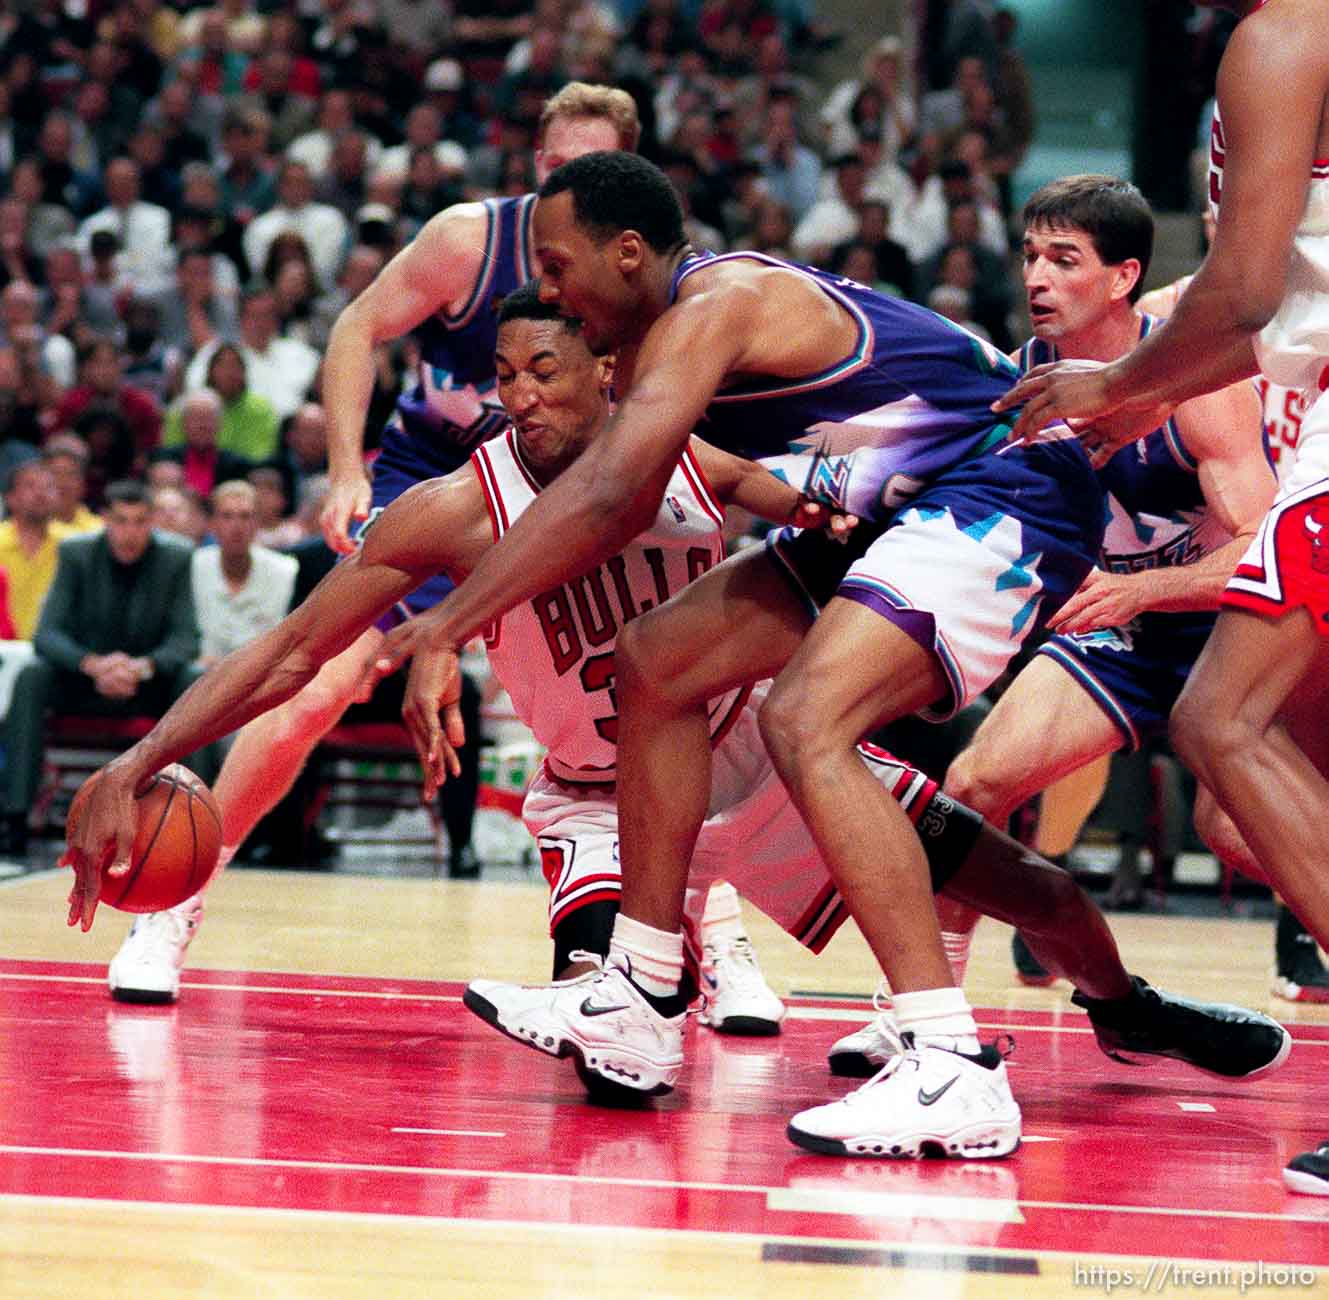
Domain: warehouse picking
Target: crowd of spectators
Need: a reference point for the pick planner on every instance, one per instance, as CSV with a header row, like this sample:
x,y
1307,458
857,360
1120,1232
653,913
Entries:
x,y
190,194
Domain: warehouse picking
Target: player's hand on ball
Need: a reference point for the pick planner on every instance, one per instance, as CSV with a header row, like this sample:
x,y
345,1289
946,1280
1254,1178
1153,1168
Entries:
x,y
431,710
98,830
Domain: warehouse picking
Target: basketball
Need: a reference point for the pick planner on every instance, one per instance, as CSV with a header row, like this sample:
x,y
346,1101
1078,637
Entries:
x,y
176,843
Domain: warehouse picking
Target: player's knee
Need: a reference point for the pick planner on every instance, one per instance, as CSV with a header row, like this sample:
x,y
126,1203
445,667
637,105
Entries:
x,y
793,735
1202,732
974,782
647,660
633,650
316,706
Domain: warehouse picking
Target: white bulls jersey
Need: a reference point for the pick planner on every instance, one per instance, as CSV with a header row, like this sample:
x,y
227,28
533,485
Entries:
x,y
1284,410
555,654
1293,349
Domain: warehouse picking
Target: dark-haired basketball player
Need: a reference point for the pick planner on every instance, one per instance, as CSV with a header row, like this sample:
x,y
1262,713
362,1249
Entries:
x,y
876,407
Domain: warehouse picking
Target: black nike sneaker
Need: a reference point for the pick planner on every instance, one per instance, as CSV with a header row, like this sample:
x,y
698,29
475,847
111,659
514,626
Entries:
x,y
1309,1172
1299,974
1217,1038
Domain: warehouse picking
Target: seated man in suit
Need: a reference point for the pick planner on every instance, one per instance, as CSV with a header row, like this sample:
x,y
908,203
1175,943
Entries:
x,y
116,637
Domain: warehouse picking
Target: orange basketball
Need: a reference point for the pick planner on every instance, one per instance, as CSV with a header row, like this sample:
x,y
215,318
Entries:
x,y
176,843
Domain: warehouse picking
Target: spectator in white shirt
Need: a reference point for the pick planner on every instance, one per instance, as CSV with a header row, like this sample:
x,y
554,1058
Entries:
x,y
423,130
279,369
143,229
891,102
51,354
241,589
335,117
834,219
925,233
325,230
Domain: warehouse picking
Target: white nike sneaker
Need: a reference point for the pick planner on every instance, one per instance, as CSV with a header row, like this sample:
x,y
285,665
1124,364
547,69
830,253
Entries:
x,y
736,998
861,1054
147,967
925,1098
600,1019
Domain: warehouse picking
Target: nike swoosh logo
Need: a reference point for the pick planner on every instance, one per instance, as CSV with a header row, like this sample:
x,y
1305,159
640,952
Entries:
x,y
926,1098
589,1008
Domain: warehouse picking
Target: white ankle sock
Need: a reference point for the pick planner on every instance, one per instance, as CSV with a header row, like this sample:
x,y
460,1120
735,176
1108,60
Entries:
x,y
939,1016
957,946
654,958
722,917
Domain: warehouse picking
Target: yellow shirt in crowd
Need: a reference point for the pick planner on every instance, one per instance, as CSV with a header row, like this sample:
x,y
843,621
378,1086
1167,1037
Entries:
x,y
30,577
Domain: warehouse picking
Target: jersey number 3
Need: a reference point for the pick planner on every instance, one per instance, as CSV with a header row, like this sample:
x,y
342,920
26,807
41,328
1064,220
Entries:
x,y
597,674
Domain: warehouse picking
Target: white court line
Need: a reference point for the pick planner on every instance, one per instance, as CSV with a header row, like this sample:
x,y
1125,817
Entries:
x,y
878,1245
665,1184
793,1012
455,1132
385,994
895,1205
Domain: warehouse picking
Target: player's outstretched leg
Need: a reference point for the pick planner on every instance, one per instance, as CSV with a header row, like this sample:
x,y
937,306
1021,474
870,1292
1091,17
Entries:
x,y
924,1100
1130,1018
260,768
1069,935
1308,1173
735,996
601,1019
147,967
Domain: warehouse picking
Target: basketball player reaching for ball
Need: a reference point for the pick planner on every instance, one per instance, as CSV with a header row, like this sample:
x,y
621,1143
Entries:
x,y
445,286
1253,721
881,408
1185,500
554,655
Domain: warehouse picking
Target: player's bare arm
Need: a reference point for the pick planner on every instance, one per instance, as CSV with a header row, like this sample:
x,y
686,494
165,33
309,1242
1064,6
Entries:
x,y
751,487
441,524
1270,75
435,271
1223,432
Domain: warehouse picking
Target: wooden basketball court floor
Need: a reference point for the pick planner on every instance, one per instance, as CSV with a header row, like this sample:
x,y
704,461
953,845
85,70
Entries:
x,y
320,1117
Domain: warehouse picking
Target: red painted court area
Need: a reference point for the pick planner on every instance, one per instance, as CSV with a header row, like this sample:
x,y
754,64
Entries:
x,y
315,1093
